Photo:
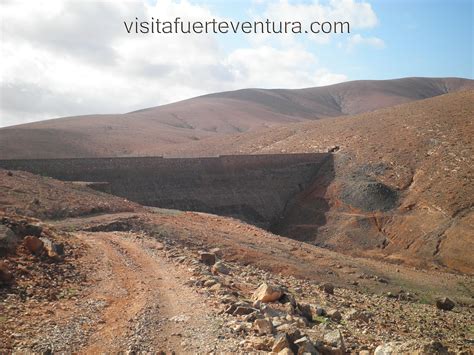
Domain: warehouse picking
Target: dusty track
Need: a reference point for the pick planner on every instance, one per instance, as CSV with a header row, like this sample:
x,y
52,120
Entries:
x,y
149,307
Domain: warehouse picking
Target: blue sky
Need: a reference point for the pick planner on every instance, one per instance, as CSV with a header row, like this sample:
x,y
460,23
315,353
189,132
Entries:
x,y
422,38
69,57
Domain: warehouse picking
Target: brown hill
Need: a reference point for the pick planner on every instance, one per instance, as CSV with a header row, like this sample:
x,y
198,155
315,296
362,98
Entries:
x,y
151,131
401,186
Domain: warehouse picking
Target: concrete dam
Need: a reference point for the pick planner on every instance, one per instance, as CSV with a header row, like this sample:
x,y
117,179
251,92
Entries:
x,y
253,188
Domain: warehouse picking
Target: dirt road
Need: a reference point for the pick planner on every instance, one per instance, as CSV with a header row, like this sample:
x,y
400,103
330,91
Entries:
x,y
149,307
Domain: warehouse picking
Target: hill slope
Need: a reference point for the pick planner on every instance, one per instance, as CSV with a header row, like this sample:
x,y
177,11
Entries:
x,y
401,186
151,131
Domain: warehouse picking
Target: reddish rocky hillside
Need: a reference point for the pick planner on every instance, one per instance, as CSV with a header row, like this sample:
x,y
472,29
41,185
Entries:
x,y
168,281
151,131
36,196
400,186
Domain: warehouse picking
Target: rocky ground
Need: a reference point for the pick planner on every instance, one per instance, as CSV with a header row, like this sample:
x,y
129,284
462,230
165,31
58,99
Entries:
x,y
146,290
129,278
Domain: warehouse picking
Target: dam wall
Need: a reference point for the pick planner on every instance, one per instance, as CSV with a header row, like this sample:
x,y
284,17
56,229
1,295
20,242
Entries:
x,y
254,188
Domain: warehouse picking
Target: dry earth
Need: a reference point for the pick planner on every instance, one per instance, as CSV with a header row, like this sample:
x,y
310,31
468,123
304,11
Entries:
x,y
136,281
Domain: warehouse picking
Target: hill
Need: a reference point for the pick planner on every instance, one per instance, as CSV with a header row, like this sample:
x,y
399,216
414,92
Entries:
x,y
153,280
401,187
155,130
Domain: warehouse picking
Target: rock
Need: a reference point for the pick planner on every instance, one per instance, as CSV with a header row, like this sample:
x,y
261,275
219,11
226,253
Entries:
x,y
335,339
334,315
220,268
286,351
305,311
209,283
320,311
362,316
327,288
33,244
261,343
207,258
6,276
412,347
281,342
54,250
445,304
8,240
243,310
288,298
305,346
267,293
24,228
263,326
292,332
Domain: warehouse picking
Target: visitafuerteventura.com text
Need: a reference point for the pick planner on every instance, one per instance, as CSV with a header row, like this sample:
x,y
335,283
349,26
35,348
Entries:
x,y
181,26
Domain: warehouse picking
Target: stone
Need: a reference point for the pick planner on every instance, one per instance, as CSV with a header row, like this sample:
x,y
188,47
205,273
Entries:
x,y
33,244
281,342
334,315
267,293
6,276
207,258
327,288
261,343
355,314
305,346
8,240
335,339
445,304
24,228
292,332
220,268
263,326
209,283
413,347
53,250
286,351
243,310
305,311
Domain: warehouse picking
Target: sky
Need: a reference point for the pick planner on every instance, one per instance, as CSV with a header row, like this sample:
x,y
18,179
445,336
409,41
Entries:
x,y
67,58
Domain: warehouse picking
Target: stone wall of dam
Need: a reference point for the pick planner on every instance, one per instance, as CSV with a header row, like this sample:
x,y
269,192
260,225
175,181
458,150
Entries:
x,y
254,188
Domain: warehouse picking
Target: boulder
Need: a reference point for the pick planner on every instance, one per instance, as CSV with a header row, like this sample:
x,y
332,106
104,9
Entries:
x,y
267,293
220,268
335,339
445,304
263,326
305,346
281,342
334,315
355,314
53,250
25,228
33,244
6,276
207,258
243,310
305,311
327,288
8,240
412,347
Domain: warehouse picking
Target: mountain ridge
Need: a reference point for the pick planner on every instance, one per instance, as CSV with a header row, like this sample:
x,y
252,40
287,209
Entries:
x,y
153,129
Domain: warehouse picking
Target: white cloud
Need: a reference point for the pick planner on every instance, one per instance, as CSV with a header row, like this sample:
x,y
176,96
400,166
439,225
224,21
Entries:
x,y
63,58
289,68
359,40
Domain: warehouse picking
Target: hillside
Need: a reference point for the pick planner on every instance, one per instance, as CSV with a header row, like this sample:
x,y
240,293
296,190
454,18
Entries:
x,y
155,130
152,280
401,187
